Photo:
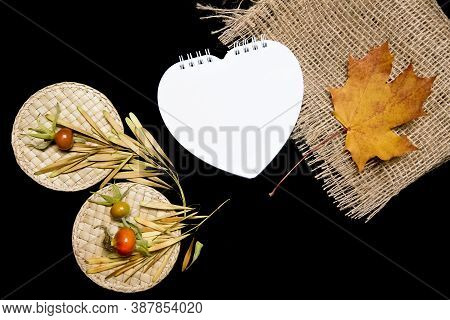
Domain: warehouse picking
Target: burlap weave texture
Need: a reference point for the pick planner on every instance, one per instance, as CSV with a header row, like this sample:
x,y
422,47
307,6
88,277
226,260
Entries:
x,y
322,34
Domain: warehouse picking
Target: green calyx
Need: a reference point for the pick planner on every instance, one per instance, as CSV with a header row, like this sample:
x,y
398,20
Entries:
x,y
44,133
141,244
110,200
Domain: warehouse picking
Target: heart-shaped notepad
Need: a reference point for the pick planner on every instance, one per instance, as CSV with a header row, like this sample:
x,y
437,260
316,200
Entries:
x,y
234,113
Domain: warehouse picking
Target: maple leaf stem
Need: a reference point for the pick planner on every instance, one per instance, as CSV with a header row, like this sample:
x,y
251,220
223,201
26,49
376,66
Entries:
x,y
312,150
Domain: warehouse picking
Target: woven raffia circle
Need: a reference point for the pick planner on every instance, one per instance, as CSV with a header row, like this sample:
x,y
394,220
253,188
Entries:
x,y
69,95
87,241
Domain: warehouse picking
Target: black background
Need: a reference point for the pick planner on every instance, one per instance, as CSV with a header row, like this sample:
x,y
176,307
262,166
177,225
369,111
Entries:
x,y
257,247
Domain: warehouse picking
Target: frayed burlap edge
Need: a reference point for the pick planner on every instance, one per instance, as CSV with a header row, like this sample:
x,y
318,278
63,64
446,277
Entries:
x,y
322,34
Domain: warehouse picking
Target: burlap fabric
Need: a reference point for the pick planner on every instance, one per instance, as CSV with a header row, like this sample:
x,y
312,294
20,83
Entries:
x,y
322,34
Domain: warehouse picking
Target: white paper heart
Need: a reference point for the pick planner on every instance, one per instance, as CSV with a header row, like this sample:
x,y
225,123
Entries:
x,y
234,113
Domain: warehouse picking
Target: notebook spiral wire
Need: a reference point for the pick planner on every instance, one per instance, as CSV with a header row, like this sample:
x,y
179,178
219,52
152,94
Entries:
x,y
238,47
195,59
246,45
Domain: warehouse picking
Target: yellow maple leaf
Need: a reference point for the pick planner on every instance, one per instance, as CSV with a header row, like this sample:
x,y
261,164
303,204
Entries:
x,y
369,107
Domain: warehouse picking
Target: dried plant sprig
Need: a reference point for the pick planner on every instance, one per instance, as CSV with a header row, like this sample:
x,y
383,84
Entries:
x,y
161,241
140,159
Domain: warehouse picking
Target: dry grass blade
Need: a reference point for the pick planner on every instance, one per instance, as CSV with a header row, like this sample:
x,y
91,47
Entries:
x,y
155,259
68,167
60,163
210,215
163,265
157,147
143,264
197,250
150,232
135,147
107,266
170,220
92,123
112,122
81,147
85,145
168,243
171,224
154,234
111,150
114,172
159,237
147,146
140,137
175,214
125,268
105,164
98,142
67,124
149,224
81,165
101,260
150,138
168,216
175,227
135,174
140,163
187,256
158,205
115,255
171,227
149,183
137,167
129,141
160,182
118,142
108,157
147,234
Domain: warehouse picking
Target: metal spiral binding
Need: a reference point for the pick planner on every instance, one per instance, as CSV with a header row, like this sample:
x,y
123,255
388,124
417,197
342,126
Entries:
x,y
198,59
238,47
247,45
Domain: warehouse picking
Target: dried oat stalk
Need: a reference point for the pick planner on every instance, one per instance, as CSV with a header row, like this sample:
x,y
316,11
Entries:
x,y
161,235
138,159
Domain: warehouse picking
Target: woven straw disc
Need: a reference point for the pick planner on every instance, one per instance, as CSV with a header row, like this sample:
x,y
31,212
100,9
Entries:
x,y
87,241
69,95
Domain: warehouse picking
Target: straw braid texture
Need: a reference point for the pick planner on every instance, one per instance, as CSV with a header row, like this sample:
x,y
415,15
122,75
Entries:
x,y
87,241
322,34
69,95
